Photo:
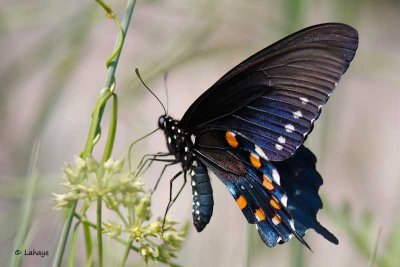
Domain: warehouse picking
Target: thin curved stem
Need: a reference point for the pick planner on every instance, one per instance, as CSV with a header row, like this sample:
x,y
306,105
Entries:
x,y
112,130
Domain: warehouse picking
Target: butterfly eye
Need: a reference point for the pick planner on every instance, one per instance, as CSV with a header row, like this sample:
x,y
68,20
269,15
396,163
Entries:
x,y
161,122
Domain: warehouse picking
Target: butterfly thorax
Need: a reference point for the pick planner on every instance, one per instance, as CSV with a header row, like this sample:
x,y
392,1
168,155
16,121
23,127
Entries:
x,y
178,141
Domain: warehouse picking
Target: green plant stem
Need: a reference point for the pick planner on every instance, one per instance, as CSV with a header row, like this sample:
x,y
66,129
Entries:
x,y
27,205
88,244
64,236
95,122
111,131
120,42
99,232
297,251
250,246
127,250
74,242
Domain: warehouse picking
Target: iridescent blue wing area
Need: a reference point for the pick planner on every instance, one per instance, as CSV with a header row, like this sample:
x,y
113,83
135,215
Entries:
x,y
280,198
274,97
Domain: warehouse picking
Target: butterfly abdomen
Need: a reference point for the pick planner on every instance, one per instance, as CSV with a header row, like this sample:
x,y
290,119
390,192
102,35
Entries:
x,y
203,201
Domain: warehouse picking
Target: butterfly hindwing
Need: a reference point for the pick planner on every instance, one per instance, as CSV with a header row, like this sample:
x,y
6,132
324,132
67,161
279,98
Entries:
x,y
280,198
257,192
301,181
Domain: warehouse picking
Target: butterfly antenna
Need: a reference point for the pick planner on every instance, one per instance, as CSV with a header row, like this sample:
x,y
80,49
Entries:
x,y
135,142
140,78
166,89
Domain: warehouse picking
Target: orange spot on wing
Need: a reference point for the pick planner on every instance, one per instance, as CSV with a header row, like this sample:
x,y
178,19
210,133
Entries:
x,y
260,215
276,219
231,139
275,204
255,160
242,202
267,183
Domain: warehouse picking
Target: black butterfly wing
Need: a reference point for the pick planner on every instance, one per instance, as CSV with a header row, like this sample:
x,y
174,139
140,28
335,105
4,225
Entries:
x,y
275,96
282,200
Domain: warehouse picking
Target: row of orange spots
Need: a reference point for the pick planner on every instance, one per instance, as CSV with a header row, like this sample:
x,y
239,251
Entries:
x,y
267,183
242,202
255,160
260,215
231,139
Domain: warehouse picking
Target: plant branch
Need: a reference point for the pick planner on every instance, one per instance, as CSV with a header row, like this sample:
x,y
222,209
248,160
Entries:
x,y
103,96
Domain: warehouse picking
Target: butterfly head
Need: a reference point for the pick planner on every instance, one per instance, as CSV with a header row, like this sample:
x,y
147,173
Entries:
x,y
178,141
162,122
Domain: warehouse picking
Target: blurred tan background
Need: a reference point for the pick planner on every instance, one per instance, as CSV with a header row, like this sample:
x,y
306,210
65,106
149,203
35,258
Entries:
x,y
53,65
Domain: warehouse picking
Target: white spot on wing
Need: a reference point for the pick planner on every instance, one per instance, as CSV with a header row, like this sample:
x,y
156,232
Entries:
x,y
193,138
291,223
281,139
169,140
297,114
304,100
276,177
284,200
195,193
278,146
260,152
289,128
193,183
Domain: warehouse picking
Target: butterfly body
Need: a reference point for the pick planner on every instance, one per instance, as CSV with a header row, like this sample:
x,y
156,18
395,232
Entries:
x,y
179,142
249,129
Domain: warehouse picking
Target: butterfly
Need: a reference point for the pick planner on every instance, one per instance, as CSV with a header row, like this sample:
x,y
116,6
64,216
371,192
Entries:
x,y
249,129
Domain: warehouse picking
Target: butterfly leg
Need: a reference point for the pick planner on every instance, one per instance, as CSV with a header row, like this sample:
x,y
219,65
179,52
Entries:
x,y
161,174
172,200
180,190
148,159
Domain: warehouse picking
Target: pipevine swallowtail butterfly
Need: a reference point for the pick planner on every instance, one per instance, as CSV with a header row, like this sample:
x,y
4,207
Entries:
x,y
249,129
